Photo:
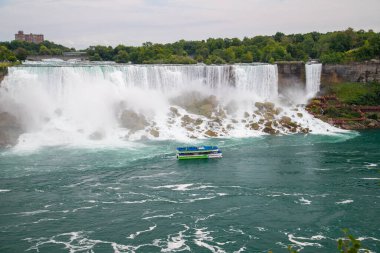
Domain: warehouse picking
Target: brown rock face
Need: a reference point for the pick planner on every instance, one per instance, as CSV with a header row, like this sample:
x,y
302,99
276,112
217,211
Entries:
x,y
133,121
255,126
211,133
187,120
10,129
363,72
154,132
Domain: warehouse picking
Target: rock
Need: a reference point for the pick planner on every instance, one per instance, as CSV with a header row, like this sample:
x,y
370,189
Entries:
x,y
299,114
285,119
278,110
97,135
268,116
10,129
269,106
371,123
187,120
218,121
255,126
246,114
175,111
211,133
154,132
221,114
266,106
259,106
198,122
133,121
269,130
234,121
243,121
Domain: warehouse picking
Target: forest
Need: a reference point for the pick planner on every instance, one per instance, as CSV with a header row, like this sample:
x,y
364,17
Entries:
x,y
332,47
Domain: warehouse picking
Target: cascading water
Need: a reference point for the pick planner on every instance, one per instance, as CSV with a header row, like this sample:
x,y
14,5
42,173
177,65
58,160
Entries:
x,y
313,79
111,104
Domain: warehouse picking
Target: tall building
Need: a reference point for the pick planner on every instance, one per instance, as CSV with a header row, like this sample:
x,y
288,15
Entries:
x,y
35,38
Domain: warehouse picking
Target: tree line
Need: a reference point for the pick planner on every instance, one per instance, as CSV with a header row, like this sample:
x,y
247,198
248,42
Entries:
x,y
19,50
332,47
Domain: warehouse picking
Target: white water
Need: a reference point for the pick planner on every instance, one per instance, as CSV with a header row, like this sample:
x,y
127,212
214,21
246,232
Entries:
x,y
83,104
313,79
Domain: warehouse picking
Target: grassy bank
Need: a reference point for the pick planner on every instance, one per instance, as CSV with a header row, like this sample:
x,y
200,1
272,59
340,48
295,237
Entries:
x,y
357,93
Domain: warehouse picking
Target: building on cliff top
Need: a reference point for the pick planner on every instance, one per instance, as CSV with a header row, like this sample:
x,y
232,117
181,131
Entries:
x,y
34,38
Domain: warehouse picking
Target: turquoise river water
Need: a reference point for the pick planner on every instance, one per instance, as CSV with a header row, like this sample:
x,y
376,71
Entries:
x,y
265,194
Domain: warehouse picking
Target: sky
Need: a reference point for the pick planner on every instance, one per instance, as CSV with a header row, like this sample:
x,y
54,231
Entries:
x,y
81,23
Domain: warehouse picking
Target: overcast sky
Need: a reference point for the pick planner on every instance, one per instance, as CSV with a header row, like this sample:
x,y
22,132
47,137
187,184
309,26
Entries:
x,y
80,23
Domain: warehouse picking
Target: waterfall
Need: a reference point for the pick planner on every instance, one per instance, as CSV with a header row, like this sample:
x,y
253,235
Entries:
x,y
313,79
112,103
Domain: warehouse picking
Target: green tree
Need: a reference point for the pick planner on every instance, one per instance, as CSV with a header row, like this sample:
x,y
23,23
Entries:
x,y
122,57
247,57
21,54
44,50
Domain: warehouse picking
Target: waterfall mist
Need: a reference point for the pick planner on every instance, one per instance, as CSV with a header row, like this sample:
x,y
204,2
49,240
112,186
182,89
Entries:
x,y
78,104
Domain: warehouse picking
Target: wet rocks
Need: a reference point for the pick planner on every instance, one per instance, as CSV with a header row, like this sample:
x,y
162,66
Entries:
x,y
10,129
174,112
255,126
155,133
133,121
186,119
211,133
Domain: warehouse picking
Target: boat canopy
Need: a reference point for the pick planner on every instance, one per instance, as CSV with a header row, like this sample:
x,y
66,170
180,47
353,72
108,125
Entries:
x,y
195,149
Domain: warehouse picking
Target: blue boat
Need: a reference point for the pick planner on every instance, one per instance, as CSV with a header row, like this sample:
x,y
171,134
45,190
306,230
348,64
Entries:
x,y
202,152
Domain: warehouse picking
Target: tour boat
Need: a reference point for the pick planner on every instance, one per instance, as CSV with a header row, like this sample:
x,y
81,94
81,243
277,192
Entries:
x,y
202,152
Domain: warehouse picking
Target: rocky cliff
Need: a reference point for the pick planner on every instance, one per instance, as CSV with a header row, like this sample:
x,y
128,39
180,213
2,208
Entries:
x,y
363,72
291,75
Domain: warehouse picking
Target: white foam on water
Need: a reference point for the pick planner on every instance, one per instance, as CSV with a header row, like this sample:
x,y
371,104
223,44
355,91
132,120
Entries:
x,y
204,239
304,201
347,201
363,238
175,187
32,212
134,235
242,249
4,190
304,243
370,178
261,229
174,243
161,216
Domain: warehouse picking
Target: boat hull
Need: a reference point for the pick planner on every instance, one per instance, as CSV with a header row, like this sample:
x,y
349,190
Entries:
x,y
190,157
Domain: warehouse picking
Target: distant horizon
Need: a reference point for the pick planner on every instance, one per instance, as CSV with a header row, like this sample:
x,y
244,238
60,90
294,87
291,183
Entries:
x,y
81,23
